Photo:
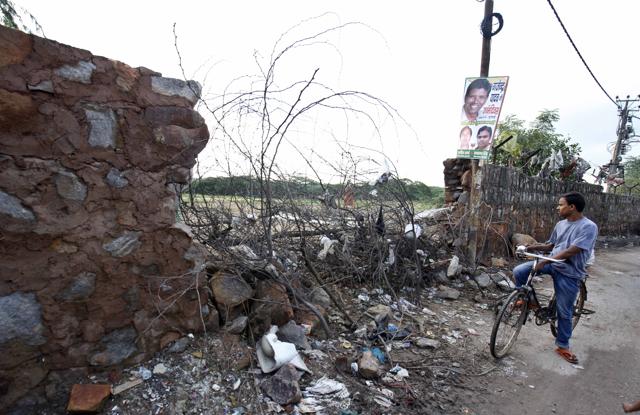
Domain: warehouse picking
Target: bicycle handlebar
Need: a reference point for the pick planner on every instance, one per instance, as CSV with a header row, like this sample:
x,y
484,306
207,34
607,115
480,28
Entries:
x,y
521,250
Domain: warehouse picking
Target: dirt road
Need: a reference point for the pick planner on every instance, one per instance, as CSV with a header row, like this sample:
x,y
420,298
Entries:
x,y
534,380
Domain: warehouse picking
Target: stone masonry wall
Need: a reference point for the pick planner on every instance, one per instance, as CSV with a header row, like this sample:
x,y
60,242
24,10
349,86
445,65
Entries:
x,y
523,204
511,202
91,151
457,179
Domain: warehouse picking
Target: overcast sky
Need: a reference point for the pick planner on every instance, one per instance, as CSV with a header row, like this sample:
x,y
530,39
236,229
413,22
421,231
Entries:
x,y
413,54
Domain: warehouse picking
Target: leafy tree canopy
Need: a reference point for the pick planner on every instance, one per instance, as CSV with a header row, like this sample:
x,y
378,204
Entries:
x,y
632,174
18,18
532,145
302,187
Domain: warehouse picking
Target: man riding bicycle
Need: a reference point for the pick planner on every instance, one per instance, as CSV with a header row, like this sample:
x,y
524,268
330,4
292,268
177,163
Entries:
x,y
572,239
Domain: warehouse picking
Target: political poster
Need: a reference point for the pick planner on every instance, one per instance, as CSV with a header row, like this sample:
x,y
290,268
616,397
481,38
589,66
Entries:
x,y
481,106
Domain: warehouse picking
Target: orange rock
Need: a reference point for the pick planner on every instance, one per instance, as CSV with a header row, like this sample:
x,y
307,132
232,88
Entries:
x,y
15,45
308,318
88,398
15,107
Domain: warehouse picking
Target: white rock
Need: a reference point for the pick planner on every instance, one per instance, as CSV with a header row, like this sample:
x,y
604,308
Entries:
x,y
160,369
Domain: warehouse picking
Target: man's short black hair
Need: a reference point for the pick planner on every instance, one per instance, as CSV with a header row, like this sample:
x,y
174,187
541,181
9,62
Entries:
x,y
485,128
480,83
576,199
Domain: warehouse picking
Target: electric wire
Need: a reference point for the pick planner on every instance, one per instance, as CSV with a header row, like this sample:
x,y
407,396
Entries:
x,y
579,54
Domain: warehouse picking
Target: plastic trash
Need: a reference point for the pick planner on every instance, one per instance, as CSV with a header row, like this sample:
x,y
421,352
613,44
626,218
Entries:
x,y
327,247
399,371
325,386
273,353
412,231
389,332
382,179
454,266
363,297
324,396
392,256
144,373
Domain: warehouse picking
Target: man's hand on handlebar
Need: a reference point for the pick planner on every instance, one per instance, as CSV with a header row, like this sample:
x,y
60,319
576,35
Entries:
x,y
542,248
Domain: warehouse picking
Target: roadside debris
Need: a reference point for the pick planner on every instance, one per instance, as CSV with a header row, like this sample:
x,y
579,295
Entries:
x,y
273,353
88,397
283,387
127,385
325,396
368,365
405,317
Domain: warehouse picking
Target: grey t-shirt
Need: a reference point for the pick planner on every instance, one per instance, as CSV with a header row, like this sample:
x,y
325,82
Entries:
x,y
581,233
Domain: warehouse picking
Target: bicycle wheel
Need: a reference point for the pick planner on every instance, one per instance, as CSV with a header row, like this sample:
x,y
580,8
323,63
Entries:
x,y
509,321
577,309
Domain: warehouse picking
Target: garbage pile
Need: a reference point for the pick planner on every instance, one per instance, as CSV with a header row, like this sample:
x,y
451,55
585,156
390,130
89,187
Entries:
x,y
371,311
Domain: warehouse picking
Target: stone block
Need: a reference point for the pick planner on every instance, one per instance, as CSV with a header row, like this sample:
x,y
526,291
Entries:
x,y
369,365
115,178
230,290
88,398
21,319
81,72
103,128
123,245
165,115
176,87
118,346
44,86
283,387
13,207
69,186
80,289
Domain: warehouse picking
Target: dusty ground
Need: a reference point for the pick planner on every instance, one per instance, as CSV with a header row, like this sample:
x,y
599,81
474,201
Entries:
x,y
535,381
201,379
218,374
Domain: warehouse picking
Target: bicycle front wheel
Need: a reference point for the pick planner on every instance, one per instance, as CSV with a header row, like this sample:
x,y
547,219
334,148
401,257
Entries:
x,y
577,309
509,321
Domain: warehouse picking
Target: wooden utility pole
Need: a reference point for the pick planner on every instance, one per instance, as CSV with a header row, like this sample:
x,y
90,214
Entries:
x,y
476,165
486,40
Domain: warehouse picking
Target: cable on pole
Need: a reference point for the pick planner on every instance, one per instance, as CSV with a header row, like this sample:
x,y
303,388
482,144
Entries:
x,y
580,55
486,27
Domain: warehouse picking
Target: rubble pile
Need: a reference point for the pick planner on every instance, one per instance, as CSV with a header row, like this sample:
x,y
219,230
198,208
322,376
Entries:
x,y
386,351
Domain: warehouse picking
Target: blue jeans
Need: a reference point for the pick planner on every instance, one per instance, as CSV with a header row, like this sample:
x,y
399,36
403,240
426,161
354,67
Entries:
x,y
566,293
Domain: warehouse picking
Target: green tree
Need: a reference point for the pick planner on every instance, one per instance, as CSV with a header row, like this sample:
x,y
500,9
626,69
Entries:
x,y
14,18
530,146
417,190
632,174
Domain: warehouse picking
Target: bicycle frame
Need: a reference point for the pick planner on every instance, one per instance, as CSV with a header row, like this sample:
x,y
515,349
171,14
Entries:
x,y
513,314
528,289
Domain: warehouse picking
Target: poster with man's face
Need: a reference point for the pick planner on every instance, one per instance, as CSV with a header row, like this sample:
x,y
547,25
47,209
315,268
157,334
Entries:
x,y
481,105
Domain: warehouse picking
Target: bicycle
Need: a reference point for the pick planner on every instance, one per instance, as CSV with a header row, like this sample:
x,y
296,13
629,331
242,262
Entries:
x,y
514,312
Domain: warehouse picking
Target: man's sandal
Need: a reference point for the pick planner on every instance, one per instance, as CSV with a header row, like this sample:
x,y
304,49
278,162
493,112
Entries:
x,y
567,355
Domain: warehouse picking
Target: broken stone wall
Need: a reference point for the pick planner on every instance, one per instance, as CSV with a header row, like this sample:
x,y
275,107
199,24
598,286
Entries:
x,y
523,204
512,202
94,271
457,179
